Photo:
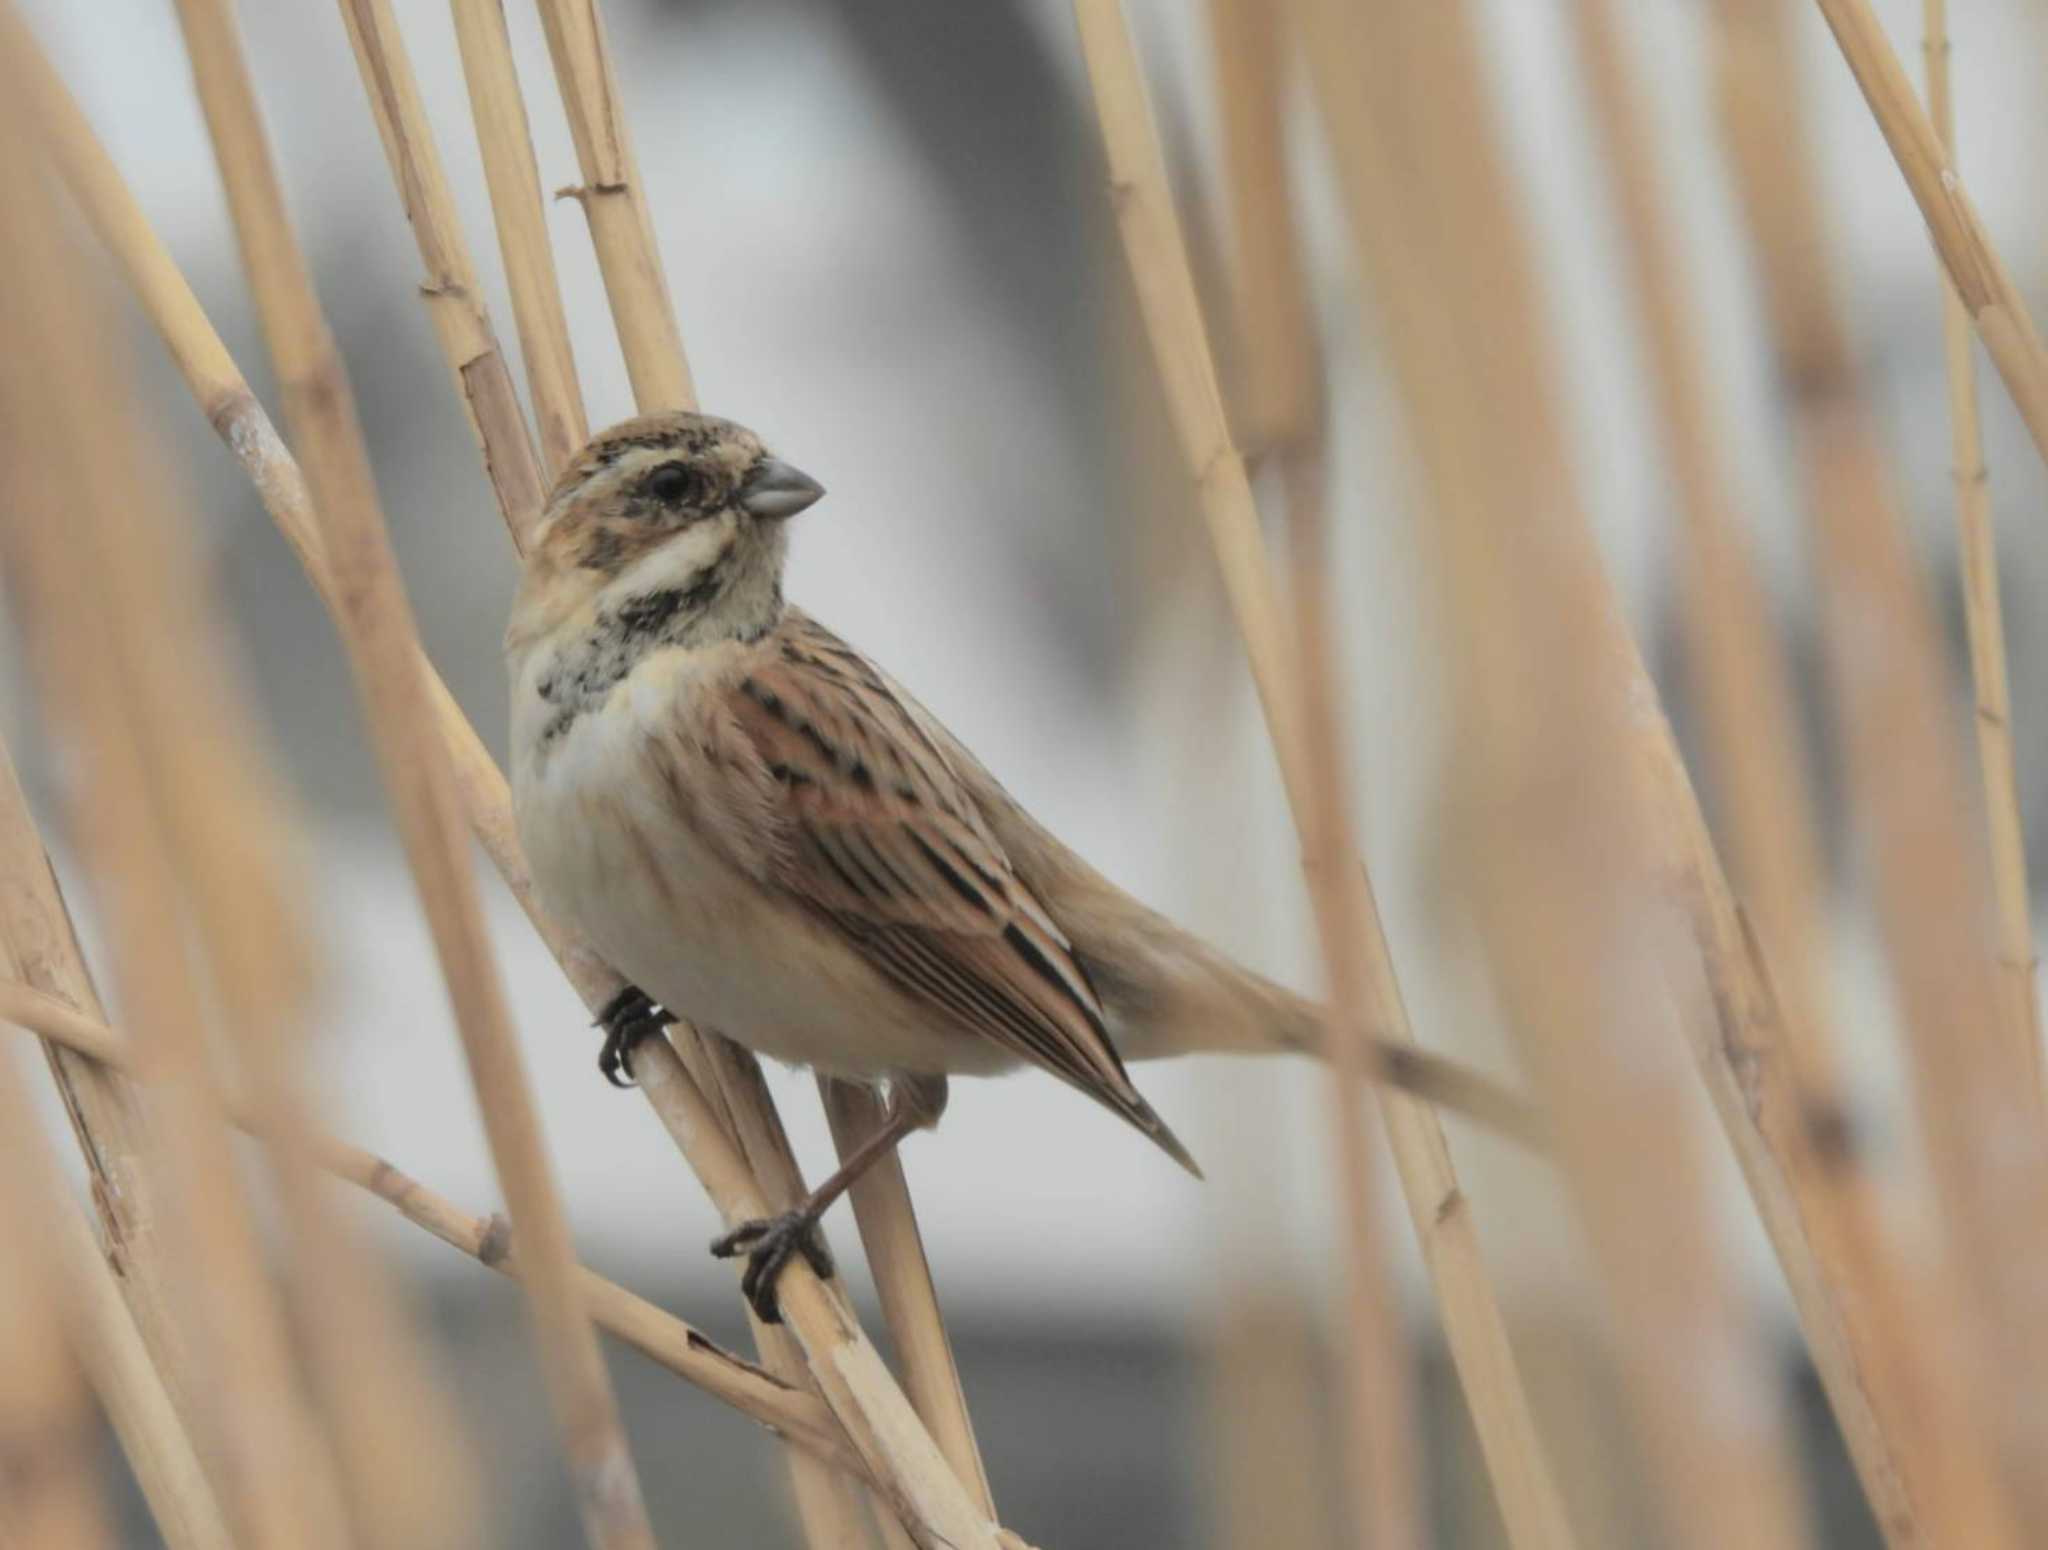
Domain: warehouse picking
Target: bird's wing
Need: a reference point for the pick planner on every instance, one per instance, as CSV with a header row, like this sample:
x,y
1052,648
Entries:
x,y
876,835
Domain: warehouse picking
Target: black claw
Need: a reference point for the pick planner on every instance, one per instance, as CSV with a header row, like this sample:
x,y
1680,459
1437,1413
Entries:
x,y
768,1243
626,1019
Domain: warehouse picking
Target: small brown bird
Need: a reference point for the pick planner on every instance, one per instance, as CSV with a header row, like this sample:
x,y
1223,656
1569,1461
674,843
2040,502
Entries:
x,y
768,836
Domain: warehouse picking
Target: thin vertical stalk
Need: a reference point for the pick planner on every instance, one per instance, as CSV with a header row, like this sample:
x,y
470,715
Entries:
x,y
506,141
1984,615
614,201
377,626
454,300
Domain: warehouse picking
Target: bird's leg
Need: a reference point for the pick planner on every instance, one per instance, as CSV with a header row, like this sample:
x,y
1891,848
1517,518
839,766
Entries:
x,y
915,1103
627,1018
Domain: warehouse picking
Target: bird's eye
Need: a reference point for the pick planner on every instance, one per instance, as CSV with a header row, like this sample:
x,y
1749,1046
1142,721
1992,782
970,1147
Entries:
x,y
671,484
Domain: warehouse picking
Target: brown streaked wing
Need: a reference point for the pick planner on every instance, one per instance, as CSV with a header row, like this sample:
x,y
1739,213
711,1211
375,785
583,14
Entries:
x,y
880,839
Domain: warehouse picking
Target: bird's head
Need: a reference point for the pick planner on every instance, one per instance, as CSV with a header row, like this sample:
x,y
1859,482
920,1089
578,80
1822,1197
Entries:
x,y
682,507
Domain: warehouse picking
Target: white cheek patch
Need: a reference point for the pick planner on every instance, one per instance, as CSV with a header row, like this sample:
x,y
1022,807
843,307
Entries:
x,y
690,553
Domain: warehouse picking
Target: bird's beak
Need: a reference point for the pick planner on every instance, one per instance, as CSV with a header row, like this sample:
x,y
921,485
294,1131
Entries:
x,y
774,490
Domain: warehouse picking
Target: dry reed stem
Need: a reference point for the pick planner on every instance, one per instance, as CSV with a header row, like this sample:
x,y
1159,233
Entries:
x,y
1977,1108
131,1392
1740,1042
407,1468
78,519
910,1305
377,625
1285,406
1377,1404
503,135
1568,901
121,1137
454,300
615,203
1984,614
655,1333
1974,267
830,1513
223,393
1926,1478
51,1495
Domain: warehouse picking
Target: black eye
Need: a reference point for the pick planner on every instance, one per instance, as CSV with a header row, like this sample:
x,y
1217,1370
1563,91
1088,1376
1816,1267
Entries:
x,y
672,484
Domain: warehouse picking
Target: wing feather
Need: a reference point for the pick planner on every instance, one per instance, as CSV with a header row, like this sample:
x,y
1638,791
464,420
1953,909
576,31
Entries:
x,y
878,837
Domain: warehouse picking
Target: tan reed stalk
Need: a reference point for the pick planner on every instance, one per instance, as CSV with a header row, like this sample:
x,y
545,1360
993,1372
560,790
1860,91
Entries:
x,y
614,202
655,1333
1284,407
1977,1109
377,625
222,392
1431,212
1985,616
406,1467
131,1392
1931,1460
1974,267
831,1513
516,204
120,1136
903,1281
454,300
75,512
51,1493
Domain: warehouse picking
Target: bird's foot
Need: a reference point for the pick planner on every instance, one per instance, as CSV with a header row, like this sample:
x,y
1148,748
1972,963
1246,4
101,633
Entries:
x,y
626,1019
768,1243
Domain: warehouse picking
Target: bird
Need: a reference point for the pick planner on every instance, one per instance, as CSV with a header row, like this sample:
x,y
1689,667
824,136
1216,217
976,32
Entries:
x,y
765,834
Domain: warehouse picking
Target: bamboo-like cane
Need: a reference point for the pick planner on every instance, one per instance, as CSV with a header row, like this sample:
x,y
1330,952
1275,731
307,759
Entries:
x,y
614,201
507,144
1431,214
1984,614
654,1332
64,405
377,625
222,392
454,302
1926,1475
1284,408
1979,276
1985,1142
51,1496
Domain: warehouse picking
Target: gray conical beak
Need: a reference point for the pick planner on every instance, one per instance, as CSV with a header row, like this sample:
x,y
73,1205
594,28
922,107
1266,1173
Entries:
x,y
774,490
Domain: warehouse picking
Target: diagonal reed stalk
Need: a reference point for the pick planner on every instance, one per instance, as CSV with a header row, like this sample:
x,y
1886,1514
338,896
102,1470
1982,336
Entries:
x,y
660,1336
1568,838
1981,280
1299,696
1922,1463
1984,615
377,626
81,530
1284,409
1978,1112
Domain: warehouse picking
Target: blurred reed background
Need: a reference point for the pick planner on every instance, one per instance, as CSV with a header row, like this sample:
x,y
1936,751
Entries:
x,y
1535,448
